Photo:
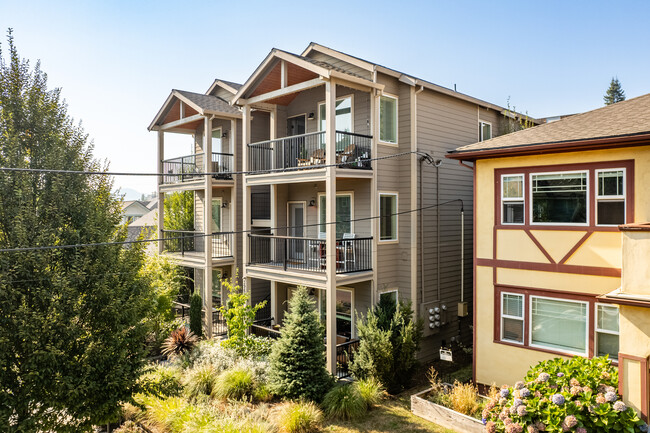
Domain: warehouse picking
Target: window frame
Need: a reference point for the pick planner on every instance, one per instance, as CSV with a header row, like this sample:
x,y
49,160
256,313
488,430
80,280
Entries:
x,y
338,193
480,130
387,291
587,197
509,199
339,98
321,298
396,239
598,330
379,140
218,128
599,197
540,346
522,318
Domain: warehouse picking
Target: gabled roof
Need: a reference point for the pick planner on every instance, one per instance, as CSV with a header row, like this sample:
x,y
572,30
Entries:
x,y
623,123
136,204
227,85
199,103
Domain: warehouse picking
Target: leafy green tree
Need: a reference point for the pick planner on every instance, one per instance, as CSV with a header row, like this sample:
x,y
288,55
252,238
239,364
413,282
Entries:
x,y
298,357
614,93
196,321
179,211
71,323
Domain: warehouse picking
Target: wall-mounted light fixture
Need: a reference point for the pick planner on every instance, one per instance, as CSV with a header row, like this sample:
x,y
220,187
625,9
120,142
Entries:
x,y
224,134
312,203
311,116
224,204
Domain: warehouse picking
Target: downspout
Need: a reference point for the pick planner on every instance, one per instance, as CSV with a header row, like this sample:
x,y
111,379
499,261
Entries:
x,y
420,223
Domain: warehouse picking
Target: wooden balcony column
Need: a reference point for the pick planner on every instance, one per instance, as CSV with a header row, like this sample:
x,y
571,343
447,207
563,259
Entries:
x,y
246,208
330,219
161,195
207,223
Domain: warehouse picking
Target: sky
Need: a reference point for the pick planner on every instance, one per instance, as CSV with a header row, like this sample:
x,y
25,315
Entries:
x,y
117,61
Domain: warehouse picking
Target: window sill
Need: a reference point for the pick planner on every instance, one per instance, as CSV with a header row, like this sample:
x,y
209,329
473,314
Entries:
x,y
388,143
388,242
543,350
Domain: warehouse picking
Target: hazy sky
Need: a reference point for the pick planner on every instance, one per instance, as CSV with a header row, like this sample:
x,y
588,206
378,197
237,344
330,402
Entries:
x,y
116,61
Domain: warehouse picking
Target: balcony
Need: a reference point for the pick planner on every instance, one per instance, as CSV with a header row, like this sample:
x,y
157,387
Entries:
x,y
308,151
190,167
308,254
191,244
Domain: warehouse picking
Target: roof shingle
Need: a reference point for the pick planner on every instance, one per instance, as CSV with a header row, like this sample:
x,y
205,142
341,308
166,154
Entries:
x,y
209,102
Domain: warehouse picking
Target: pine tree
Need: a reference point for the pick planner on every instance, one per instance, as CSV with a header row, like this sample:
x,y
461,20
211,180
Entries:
x,y
72,332
298,357
196,320
614,93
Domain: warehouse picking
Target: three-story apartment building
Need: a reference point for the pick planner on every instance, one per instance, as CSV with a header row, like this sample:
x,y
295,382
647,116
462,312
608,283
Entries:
x,y
344,190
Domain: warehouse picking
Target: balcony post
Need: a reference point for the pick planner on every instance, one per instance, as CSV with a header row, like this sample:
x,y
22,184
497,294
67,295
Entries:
x,y
246,211
330,219
237,190
161,195
207,223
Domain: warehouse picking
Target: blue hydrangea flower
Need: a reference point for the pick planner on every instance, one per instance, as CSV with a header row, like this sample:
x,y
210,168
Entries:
x,y
558,399
504,392
560,375
610,396
619,406
517,402
524,392
643,428
484,421
543,377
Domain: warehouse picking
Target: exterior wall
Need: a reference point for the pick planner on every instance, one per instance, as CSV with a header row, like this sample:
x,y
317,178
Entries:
x,y
574,261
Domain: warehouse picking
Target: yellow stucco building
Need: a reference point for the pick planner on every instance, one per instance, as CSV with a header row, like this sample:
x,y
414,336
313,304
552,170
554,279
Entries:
x,y
562,246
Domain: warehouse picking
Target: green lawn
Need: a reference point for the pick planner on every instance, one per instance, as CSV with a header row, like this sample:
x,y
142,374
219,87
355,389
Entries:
x,y
393,415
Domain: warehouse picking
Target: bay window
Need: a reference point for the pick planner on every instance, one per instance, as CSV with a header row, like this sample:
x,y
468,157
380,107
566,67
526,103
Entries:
x,y
388,119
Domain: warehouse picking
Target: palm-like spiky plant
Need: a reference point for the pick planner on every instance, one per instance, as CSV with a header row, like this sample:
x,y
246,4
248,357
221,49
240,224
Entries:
x,y
179,342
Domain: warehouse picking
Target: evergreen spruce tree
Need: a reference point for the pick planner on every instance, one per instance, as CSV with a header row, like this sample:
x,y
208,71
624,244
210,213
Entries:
x,y
72,328
614,93
298,357
196,321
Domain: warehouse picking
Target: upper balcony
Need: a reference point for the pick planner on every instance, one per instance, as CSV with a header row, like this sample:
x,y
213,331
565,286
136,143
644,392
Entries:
x,y
189,246
307,151
190,168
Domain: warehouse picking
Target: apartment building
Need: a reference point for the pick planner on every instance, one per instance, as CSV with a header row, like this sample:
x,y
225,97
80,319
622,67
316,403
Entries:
x,y
562,246
338,153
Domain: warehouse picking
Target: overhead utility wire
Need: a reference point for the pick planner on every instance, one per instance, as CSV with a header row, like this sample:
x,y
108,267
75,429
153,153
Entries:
x,y
199,235
221,173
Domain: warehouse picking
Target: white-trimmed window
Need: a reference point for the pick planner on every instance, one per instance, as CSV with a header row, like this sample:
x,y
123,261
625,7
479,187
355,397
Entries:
x,y
388,216
559,198
512,199
607,332
610,196
512,317
343,120
344,213
484,131
389,296
217,145
388,119
559,324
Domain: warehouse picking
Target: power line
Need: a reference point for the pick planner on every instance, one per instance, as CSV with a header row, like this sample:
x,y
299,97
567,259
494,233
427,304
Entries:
x,y
200,235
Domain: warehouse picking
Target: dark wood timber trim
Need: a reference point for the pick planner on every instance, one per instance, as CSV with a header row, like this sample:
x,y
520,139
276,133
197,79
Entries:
x,y
540,246
551,267
578,244
644,379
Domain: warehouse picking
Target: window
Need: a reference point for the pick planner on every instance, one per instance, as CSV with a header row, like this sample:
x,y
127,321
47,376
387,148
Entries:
x,y
344,309
216,215
388,297
343,214
558,324
512,199
512,317
216,140
216,287
484,131
559,198
388,119
607,331
388,214
610,197
343,115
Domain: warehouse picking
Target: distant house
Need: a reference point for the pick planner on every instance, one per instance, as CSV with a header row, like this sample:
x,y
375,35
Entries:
x,y
562,246
145,224
132,210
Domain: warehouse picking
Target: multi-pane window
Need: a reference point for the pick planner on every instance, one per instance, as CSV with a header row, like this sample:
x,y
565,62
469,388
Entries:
x,y
610,197
559,324
388,214
559,198
484,131
607,330
388,119
343,214
512,317
512,199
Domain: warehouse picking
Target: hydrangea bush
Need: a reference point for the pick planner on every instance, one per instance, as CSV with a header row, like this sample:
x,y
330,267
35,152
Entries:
x,y
563,395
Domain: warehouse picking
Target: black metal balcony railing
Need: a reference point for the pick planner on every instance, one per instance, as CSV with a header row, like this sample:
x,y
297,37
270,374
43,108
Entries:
x,y
308,254
308,150
184,241
344,356
190,167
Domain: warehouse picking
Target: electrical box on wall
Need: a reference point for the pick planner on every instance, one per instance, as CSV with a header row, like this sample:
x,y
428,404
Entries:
x,y
462,309
434,314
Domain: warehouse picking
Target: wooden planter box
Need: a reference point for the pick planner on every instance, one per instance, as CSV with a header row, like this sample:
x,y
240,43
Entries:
x,y
443,416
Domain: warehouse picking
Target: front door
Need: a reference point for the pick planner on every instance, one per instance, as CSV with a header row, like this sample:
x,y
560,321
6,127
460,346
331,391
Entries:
x,y
296,221
295,146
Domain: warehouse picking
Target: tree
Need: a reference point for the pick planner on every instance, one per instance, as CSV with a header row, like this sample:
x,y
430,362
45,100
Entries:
x,y
513,121
196,321
179,211
614,93
71,323
298,357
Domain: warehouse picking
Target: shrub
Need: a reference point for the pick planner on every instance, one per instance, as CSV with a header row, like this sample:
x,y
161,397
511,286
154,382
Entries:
x,y
297,417
200,382
576,394
371,391
297,358
162,381
180,341
344,401
387,349
196,321
234,384
169,414
464,398
129,427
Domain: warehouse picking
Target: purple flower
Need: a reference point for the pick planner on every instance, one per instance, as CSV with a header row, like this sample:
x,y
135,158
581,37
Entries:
x,y
519,385
570,421
643,428
524,392
521,410
610,396
558,399
619,406
560,375
484,421
504,392
517,402
543,377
